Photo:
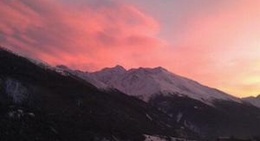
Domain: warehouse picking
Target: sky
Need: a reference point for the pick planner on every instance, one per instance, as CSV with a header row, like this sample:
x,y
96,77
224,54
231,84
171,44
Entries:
x,y
215,42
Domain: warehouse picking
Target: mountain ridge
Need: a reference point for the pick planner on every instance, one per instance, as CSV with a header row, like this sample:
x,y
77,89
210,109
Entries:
x,y
146,82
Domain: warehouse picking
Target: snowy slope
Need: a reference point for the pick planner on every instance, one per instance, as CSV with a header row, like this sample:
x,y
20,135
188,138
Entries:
x,y
253,100
146,82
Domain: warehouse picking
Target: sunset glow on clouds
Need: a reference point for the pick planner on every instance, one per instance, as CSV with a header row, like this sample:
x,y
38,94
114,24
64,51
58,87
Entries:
x,y
214,42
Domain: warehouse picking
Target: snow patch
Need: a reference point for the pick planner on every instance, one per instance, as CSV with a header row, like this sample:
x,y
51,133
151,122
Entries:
x,y
191,126
179,116
149,117
31,114
15,90
17,114
154,138
163,138
53,130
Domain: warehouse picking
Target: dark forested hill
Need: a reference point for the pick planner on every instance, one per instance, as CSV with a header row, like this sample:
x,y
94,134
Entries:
x,y
39,103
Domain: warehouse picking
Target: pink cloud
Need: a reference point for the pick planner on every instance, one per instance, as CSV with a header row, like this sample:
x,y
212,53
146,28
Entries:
x,y
60,34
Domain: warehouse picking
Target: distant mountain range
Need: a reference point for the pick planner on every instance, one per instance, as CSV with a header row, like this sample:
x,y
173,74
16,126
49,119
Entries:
x,y
40,102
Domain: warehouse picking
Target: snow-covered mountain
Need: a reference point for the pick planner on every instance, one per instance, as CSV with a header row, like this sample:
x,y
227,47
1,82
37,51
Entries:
x,y
147,82
253,100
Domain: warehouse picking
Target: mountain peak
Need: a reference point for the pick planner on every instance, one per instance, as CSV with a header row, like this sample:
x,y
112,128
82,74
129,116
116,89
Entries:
x,y
159,68
62,67
155,70
116,69
252,97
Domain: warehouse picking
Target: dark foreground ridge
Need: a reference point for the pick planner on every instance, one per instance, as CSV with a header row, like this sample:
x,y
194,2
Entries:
x,y
38,103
